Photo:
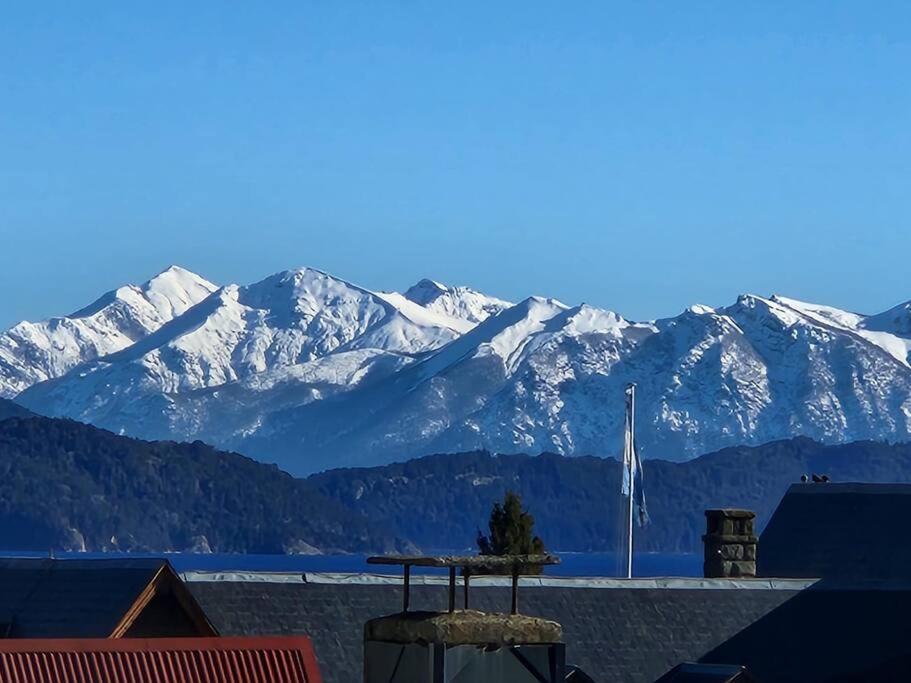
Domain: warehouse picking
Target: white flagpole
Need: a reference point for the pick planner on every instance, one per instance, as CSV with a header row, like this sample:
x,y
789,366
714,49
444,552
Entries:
x,y
631,407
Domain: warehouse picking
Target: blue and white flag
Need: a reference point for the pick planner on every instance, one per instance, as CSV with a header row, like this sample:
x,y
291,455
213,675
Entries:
x,y
631,463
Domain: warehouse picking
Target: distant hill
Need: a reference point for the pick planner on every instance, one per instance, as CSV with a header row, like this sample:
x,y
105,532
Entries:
x,y
441,500
10,409
68,485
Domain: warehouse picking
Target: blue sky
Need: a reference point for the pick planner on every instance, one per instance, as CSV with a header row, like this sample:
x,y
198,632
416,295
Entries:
x,y
638,156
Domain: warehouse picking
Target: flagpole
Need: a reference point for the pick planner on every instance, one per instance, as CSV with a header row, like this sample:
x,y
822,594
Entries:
x,y
632,480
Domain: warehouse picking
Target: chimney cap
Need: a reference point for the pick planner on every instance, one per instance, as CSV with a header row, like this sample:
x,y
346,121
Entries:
x,y
735,513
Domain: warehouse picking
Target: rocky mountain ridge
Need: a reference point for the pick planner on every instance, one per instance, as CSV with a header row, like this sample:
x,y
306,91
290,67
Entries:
x,y
311,371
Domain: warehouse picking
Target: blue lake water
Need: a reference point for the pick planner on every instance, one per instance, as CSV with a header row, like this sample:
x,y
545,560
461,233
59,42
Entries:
x,y
571,564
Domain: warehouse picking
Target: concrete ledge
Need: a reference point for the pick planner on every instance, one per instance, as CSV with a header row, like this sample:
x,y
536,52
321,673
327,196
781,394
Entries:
x,y
364,579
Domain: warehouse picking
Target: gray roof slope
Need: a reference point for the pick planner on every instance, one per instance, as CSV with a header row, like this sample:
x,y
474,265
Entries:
x,y
47,598
824,633
613,634
815,523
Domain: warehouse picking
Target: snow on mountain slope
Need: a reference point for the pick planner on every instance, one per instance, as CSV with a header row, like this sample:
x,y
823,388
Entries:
x,y
756,371
425,316
882,330
315,372
498,384
895,321
503,336
300,327
456,302
34,352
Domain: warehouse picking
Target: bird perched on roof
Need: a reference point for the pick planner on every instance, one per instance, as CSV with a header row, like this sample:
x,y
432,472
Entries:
x,y
803,479
825,478
817,479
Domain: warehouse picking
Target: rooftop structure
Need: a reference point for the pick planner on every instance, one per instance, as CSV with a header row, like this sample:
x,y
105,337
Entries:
x,y
463,644
614,629
50,598
786,625
470,565
839,532
159,660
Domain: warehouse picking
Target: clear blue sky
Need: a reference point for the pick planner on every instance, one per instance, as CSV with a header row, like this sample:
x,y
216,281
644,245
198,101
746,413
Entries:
x,y
638,156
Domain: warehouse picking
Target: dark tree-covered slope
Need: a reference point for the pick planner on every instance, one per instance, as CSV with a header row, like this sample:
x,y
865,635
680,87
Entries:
x,y
10,409
68,485
442,500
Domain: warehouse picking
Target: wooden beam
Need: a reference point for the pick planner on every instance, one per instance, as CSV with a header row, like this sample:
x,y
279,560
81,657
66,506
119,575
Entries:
x,y
515,590
452,588
139,604
406,596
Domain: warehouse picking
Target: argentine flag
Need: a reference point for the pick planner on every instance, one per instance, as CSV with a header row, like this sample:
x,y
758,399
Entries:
x,y
631,463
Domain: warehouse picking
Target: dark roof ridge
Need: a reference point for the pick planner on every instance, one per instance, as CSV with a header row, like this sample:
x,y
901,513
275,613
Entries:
x,y
866,488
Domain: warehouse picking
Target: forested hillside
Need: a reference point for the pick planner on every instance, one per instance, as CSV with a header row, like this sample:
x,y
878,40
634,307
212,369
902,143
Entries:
x,y
445,499
10,409
68,485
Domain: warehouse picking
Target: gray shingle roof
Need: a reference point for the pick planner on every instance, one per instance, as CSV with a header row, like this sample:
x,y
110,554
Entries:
x,y
47,598
815,523
613,634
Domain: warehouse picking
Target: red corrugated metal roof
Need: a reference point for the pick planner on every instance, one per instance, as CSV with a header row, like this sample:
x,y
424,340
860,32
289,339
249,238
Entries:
x,y
276,659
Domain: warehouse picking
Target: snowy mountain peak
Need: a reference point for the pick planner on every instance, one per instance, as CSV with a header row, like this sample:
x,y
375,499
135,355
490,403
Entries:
x,y
757,307
34,352
176,271
305,290
295,323
176,289
171,292
462,303
587,319
701,309
897,320
821,314
425,291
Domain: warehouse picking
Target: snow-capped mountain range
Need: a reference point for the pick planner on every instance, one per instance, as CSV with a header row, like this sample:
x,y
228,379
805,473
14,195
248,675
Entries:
x,y
34,352
310,371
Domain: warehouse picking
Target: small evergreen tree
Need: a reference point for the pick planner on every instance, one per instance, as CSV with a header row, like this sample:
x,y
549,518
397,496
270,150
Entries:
x,y
511,530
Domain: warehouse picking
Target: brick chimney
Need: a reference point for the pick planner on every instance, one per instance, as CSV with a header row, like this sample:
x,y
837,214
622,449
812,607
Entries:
x,y
730,544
